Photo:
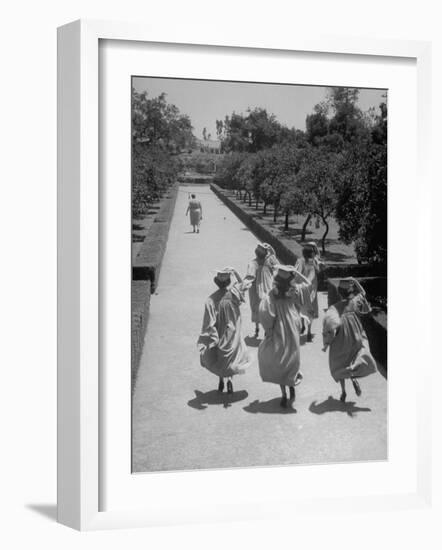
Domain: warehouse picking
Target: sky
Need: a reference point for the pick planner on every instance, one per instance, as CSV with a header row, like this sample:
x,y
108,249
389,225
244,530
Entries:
x,y
205,101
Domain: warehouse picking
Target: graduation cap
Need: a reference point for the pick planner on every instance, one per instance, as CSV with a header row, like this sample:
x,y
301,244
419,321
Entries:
x,y
223,274
264,249
284,272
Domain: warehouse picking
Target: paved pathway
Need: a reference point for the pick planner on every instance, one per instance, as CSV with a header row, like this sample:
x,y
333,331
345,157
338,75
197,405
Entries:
x,y
180,421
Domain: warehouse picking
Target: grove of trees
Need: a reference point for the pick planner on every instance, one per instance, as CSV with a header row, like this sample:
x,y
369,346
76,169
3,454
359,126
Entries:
x,y
336,168
159,133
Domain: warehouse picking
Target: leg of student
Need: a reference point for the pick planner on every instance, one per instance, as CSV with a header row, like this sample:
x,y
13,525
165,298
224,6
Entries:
x,y
283,402
229,385
221,384
356,387
343,393
292,393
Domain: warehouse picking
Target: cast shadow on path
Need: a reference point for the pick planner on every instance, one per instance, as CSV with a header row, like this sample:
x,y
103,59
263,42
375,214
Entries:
x,y
335,405
269,407
213,397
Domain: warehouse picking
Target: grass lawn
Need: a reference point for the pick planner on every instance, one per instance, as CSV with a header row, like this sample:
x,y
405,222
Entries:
x,y
336,250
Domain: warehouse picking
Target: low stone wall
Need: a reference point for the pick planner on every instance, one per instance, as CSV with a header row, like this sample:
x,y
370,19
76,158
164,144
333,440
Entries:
x,y
141,292
145,274
147,264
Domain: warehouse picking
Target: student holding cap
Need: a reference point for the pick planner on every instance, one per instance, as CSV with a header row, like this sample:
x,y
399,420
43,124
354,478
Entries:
x,y
260,274
310,265
221,345
279,352
349,355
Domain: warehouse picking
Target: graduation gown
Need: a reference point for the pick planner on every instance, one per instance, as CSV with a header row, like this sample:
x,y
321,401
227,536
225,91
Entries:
x,y
261,272
310,271
279,352
349,353
225,352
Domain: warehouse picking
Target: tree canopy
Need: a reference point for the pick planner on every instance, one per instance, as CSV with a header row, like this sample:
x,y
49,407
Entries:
x,y
159,132
337,168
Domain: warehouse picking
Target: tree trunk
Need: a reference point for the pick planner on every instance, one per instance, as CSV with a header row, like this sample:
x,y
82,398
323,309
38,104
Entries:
x,y
324,221
304,227
265,209
256,203
250,199
286,223
275,212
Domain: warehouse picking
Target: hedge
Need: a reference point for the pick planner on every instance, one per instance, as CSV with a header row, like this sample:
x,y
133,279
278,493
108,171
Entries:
x,y
141,292
147,264
145,274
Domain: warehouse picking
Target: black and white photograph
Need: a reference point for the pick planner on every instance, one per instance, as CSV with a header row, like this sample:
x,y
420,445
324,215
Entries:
x,y
259,274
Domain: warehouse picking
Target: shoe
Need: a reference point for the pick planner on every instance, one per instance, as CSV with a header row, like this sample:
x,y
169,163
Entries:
x,y
299,378
229,387
356,387
292,393
283,402
343,397
221,385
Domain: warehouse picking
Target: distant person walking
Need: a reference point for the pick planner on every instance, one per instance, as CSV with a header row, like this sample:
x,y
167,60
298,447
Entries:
x,y
222,348
260,273
343,333
279,353
196,213
310,265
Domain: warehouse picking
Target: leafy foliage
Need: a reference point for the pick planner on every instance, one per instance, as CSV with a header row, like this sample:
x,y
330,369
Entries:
x,y
338,167
362,205
159,132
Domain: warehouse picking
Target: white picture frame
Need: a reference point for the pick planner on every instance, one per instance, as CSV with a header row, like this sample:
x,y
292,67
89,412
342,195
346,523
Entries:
x,y
79,448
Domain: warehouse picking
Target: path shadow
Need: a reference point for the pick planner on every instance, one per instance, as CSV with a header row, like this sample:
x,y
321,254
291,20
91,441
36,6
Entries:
x,y
252,341
48,511
213,397
291,231
269,407
138,238
335,256
335,405
137,227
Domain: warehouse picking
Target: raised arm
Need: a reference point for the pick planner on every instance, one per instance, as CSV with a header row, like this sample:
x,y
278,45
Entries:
x,y
237,275
300,276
